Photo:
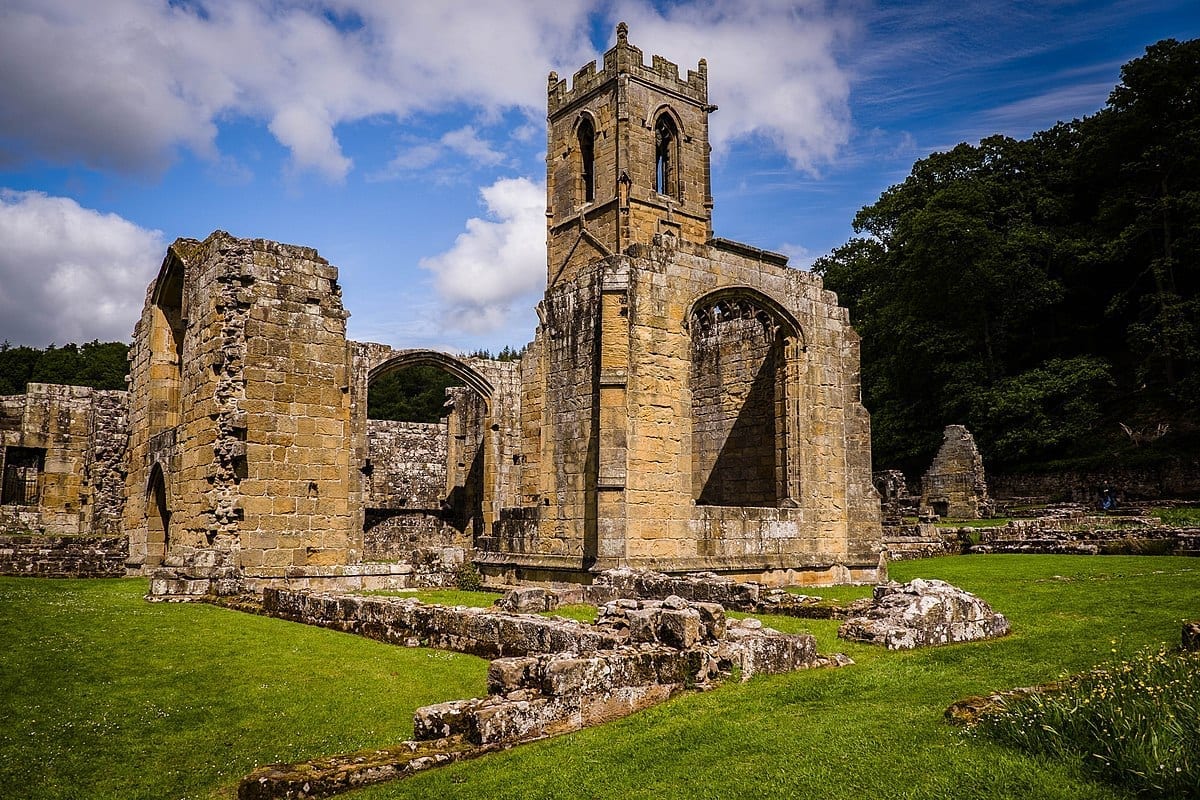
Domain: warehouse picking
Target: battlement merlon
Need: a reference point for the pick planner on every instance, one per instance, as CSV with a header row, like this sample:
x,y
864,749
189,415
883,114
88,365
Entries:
x,y
625,59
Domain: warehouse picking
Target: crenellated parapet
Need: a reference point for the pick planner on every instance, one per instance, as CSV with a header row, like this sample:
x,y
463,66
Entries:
x,y
626,59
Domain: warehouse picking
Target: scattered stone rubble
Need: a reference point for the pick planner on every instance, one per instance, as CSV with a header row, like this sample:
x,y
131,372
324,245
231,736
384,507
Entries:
x,y
696,587
1191,635
549,675
923,613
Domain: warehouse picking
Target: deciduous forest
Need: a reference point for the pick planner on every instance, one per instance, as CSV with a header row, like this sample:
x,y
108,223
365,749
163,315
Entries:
x,y
1042,291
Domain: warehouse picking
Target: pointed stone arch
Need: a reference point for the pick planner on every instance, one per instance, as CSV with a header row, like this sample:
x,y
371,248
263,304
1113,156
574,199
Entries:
x,y
745,357
402,359
158,517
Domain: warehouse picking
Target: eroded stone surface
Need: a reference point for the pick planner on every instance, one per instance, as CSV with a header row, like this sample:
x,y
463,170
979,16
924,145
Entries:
x,y
955,484
923,613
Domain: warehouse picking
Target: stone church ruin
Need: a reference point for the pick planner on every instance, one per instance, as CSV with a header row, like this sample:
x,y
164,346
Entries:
x,y
688,403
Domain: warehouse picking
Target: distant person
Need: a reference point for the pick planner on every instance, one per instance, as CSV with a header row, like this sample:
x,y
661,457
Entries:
x,y
1108,500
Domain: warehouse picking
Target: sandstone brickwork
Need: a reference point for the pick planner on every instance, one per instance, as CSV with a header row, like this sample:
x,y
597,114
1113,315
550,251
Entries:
x,y
62,454
955,484
688,403
240,415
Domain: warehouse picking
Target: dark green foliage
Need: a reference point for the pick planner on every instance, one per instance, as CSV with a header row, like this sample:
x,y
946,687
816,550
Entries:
x,y
507,354
468,578
412,394
100,365
1039,291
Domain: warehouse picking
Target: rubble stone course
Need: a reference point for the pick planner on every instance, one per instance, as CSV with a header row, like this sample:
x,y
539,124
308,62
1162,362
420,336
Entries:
x,y
922,613
548,676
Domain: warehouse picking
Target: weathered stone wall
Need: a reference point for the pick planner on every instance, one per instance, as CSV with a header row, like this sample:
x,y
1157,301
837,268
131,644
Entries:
x,y
408,465
735,373
478,631
1178,480
63,556
955,484
615,442
251,431
77,436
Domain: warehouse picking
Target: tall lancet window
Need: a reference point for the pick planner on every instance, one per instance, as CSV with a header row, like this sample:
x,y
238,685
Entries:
x,y
587,156
666,156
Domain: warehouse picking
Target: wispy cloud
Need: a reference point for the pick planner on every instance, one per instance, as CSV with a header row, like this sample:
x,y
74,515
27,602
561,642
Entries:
x,y
463,143
124,85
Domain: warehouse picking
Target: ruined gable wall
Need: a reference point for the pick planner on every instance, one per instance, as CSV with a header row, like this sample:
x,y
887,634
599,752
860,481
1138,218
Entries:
x,y
955,484
296,412
82,432
828,518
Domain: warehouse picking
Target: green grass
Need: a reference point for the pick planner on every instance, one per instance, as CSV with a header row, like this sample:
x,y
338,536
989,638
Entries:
x,y
105,696
580,612
874,729
444,597
1178,517
1136,722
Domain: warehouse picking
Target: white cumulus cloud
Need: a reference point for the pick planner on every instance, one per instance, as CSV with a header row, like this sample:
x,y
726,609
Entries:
x,y
125,84
69,273
498,265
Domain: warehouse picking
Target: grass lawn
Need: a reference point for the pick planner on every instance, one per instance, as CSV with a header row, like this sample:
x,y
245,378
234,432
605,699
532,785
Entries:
x,y
102,695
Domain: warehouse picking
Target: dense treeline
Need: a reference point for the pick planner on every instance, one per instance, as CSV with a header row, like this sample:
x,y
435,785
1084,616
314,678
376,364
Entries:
x,y
1041,291
101,365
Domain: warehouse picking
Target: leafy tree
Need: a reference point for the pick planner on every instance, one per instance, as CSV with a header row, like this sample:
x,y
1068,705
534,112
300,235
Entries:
x,y
96,364
1032,289
412,394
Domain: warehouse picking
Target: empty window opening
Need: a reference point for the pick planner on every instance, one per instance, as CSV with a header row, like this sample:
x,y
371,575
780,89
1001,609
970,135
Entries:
x,y
738,381
158,519
666,157
22,468
587,157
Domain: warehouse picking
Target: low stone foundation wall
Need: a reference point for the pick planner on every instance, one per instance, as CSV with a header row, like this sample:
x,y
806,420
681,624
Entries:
x,y
923,540
484,632
565,675
696,588
63,556
1050,537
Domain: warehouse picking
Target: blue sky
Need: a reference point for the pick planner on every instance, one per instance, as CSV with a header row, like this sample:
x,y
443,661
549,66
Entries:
x,y
405,140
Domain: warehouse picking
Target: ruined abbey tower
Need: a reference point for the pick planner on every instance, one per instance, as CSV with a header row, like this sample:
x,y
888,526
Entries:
x,y
687,404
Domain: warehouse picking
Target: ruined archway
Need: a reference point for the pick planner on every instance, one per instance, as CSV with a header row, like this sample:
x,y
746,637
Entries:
x,y
158,518
425,477
744,353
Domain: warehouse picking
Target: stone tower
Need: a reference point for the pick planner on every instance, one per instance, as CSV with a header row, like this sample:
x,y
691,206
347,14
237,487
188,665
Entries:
x,y
627,158
688,403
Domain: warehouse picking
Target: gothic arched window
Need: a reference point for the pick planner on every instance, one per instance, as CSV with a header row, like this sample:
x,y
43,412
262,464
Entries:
x,y
666,156
587,155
